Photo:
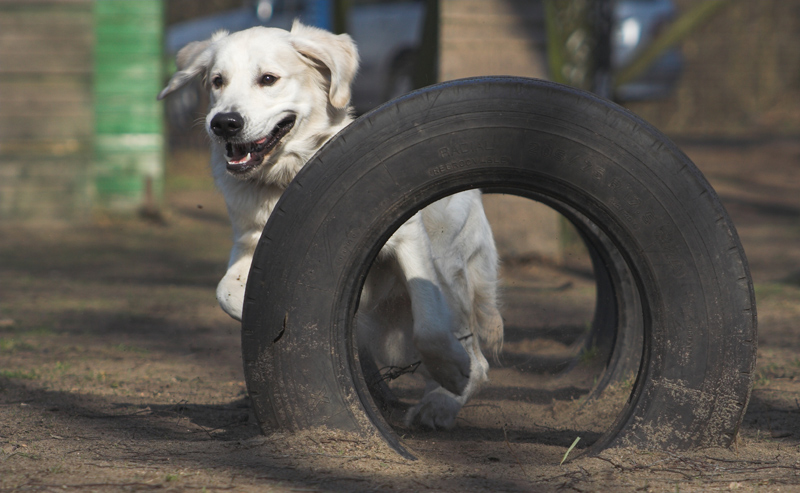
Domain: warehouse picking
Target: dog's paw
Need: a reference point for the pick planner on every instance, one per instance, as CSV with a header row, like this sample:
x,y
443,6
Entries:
x,y
230,295
450,367
436,410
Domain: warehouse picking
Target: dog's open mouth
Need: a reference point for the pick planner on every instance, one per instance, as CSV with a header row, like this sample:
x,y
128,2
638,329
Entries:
x,y
246,156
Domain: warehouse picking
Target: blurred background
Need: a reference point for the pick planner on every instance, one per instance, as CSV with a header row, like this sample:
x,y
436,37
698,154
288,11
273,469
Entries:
x,y
82,134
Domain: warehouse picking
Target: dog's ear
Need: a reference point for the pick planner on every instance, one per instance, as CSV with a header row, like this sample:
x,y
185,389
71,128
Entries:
x,y
191,60
337,52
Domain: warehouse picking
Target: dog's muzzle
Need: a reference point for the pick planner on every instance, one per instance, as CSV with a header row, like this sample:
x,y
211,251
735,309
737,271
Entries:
x,y
246,156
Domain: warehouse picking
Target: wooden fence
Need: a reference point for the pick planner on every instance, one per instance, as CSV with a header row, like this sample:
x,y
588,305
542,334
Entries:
x,y
46,120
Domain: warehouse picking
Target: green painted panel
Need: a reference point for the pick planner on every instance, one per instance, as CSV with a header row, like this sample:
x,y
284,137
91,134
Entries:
x,y
128,145
122,9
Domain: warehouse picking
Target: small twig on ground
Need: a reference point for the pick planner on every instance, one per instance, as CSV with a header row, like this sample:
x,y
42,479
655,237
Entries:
x,y
675,471
228,425
338,439
618,466
397,371
546,427
514,455
740,461
42,486
137,414
339,456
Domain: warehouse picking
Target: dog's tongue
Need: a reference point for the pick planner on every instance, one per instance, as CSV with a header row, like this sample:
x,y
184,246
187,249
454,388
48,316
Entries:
x,y
236,153
240,153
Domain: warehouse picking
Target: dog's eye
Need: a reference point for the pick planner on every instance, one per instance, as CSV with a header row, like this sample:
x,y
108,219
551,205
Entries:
x,y
267,80
217,81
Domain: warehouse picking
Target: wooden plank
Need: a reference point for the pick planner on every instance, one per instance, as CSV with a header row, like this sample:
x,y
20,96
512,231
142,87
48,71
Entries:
x,y
47,62
45,77
6,4
46,37
44,40
32,127
44,189
59,24
39,20
43,83
45,108
50,147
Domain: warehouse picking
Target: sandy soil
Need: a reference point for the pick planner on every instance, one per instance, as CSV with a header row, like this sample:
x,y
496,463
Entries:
x,y
118,372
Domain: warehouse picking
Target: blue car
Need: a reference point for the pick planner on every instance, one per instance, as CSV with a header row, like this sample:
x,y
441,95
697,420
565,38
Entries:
x,y
636,24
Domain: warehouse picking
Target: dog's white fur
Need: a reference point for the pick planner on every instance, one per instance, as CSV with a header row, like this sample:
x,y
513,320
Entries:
x,y
431,294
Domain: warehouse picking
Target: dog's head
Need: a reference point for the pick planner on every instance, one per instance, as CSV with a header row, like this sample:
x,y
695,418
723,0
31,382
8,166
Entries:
x,y
273,92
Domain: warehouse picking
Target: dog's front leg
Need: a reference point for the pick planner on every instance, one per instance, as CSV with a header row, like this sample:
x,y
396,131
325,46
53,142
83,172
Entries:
x,y
434,330
230,290
439,407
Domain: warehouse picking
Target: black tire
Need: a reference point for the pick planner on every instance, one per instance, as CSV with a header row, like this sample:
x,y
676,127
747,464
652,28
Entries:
x,y
617,326
532,138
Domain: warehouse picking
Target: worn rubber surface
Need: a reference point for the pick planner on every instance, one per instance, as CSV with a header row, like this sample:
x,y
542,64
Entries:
x,y
657,215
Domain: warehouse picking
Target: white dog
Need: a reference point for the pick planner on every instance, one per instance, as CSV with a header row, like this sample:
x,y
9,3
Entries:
x,y
276,98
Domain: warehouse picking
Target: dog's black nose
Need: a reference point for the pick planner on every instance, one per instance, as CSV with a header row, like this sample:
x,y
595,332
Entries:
x,y
227,125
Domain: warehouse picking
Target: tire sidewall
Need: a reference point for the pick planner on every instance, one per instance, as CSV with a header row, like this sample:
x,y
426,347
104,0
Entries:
x,y
533,139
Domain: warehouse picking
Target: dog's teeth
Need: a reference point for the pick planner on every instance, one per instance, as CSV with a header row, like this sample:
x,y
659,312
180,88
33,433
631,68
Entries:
x,y
240,161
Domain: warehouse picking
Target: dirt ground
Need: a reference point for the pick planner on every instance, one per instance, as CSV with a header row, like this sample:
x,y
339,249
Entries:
x,y
118,372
